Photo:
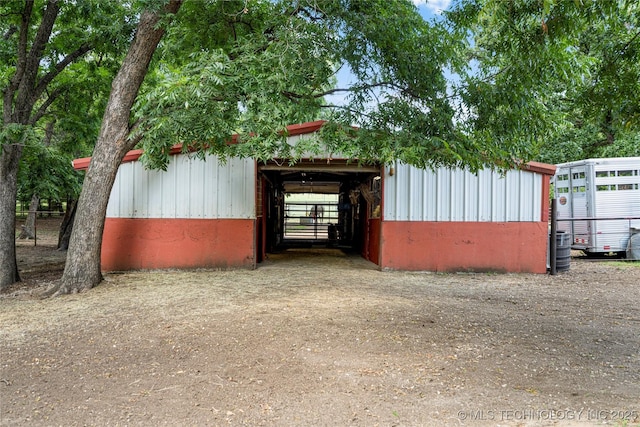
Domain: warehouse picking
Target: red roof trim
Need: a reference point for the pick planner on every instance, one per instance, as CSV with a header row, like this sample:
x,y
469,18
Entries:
x,y
303,128
542,168
133,155
292,130
81,164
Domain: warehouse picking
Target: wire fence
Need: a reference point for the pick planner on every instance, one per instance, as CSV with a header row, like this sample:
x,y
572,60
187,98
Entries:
x,y
53,209
39,214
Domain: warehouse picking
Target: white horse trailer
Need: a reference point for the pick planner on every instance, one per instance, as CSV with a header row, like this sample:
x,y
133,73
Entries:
x,y
598,203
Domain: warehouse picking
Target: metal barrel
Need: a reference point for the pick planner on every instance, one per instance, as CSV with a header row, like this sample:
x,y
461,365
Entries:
x,y
563,251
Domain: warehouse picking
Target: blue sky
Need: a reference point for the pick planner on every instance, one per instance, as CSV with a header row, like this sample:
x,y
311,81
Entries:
x,y
430,8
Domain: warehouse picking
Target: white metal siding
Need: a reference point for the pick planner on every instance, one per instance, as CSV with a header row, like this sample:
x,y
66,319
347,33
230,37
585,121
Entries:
x,y
190,188
413,194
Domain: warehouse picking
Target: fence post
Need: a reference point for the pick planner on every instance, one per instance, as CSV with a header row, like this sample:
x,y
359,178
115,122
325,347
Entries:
x,y
553,238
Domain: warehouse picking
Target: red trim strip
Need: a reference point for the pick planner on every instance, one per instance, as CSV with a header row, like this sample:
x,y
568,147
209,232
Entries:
x,y
133,155
304,128
538,167
292,130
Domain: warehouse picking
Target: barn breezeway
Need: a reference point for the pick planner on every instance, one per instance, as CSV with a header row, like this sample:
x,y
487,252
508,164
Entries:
x,y
317,205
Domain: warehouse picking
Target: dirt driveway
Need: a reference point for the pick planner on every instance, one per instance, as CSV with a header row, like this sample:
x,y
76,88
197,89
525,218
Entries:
x,y
322,338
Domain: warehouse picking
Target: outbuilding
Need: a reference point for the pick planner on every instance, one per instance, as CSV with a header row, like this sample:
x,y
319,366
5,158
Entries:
x,y
202,213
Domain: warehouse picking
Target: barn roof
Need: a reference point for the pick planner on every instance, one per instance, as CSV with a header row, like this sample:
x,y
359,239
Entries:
x,y
292,130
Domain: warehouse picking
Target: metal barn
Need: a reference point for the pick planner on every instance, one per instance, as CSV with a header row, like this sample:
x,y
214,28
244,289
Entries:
x,y
206,214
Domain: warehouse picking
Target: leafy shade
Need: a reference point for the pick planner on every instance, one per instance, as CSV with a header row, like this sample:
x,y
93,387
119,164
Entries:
x,y
559,77
70,85
46,172
258,66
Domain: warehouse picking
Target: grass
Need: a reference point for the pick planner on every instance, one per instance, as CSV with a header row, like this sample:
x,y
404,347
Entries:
x,y
626,264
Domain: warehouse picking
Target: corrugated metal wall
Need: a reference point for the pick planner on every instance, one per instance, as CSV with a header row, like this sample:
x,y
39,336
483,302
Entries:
x,y
190,188
413,194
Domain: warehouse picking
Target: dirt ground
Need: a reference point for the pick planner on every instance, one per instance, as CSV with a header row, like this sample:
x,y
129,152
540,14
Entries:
x,y
321,338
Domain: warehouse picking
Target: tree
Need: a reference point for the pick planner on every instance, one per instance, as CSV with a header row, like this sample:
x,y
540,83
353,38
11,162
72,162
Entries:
x,y
40,42
45,174
603,106
70,132
82,269
562,77
273,63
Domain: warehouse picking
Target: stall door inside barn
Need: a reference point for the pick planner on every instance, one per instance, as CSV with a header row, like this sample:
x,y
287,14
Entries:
x,y
317,205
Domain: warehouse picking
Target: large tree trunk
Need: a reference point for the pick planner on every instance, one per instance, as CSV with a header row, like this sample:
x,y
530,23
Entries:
x,y
9,158
67,225
19,96
82,270
29,227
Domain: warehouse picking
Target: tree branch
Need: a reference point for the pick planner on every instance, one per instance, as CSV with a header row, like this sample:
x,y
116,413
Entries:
x,y
308,11
293,95
20,65
48,132
58,68
24,102
626,46
11,31
42,110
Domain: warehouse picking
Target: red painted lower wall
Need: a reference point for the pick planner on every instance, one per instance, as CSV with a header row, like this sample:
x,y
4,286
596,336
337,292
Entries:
x,y
148,243
464,246
373,241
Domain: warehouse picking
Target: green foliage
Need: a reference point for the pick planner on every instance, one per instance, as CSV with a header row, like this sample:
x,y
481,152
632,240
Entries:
x,y
75,68
46,171
15,133
257,66
104,26
558,80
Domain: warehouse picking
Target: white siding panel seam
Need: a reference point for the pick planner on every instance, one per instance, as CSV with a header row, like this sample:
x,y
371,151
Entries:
x,y
423,198
452,198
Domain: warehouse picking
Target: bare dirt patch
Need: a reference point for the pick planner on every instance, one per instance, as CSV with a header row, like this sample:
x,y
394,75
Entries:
x,y
39,262
324,338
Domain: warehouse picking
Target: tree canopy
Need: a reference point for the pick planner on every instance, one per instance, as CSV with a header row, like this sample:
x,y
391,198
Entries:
x,y
562,77
262,65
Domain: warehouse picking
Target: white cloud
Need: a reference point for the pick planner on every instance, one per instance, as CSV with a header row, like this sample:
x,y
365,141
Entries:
x,y
435,6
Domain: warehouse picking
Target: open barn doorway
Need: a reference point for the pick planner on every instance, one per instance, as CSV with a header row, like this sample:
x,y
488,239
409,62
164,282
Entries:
x,y
318,206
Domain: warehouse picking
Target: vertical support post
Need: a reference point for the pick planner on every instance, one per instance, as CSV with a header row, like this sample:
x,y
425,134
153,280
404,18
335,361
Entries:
x,y
315,221
553,238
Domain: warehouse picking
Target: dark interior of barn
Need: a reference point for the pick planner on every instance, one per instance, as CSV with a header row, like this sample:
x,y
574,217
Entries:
x,y
315,205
